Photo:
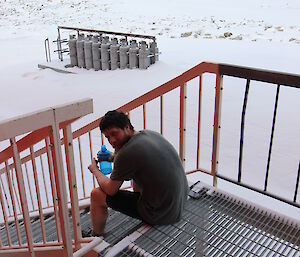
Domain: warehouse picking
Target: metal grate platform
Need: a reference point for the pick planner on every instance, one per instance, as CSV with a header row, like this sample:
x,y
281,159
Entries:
x,y
213,224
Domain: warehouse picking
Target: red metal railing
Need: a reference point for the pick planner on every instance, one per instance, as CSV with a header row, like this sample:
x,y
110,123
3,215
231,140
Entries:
x,y
79,152
43,126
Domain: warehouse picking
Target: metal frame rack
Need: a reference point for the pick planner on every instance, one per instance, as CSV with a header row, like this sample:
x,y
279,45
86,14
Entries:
x,y
60,50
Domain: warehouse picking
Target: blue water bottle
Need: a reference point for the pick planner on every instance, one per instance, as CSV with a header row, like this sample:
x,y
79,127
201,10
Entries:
x,y
105,165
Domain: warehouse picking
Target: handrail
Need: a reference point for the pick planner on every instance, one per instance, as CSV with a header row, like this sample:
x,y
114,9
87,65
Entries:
x,y
47,130
219,70
274,77
42,125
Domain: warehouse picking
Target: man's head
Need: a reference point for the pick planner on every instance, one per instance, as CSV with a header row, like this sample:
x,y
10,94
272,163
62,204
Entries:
x,y
117,128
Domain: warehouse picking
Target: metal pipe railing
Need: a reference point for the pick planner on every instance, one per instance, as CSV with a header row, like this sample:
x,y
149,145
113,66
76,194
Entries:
x,y
219,70
199,122
242,130
271,139
106,32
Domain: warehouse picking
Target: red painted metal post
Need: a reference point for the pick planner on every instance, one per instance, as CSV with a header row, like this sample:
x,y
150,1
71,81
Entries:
x,y
161,115
53,189
5,195
144,116
60,189
44,180
15,189
182,123
68,143
92,155
38,194
13,202
5,217
21,187
29,187
199,121
81,168
216,131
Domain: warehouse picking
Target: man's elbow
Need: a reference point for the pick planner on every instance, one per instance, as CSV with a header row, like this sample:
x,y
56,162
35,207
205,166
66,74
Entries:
x,y
111,191
112,187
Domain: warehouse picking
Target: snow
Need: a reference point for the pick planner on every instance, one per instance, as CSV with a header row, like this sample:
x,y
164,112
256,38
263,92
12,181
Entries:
x,y
261,34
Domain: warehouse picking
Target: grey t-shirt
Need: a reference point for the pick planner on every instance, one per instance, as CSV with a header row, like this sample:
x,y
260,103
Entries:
x,y
153,163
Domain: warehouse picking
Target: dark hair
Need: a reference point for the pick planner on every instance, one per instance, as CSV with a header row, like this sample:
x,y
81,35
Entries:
x,y
115,119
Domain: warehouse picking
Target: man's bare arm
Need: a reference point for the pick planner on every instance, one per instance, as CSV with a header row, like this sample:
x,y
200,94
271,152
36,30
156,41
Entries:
x,y
106,184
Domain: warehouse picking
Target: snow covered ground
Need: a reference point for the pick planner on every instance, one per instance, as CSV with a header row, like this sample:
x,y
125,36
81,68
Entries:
x,y
262,34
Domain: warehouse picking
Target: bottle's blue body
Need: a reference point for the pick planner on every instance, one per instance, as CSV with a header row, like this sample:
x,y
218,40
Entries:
x,y
105,165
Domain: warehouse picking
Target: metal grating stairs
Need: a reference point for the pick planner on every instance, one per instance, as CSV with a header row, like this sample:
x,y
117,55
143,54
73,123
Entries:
x,y
213,224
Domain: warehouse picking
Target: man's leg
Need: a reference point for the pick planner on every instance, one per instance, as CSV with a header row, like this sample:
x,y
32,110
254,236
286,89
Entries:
x,y
98,209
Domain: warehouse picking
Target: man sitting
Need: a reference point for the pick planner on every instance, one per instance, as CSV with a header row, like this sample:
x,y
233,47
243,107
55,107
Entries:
x,y
160,184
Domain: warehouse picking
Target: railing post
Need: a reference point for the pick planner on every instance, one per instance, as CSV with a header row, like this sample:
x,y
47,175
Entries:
x,y
13,202
161,114
216,131
68,142
53,188
199,121
5,216
182,123
144,116
38,194
22,192
61,189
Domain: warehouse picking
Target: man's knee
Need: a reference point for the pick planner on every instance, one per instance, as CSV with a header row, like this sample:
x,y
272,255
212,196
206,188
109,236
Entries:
x,y
98,196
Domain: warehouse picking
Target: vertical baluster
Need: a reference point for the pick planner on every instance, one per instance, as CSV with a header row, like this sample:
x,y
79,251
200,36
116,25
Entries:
x,y
60,183
38,195
12,197
5,195
182,123
144,116
81,168
199,121
5,217
216,131
29,187
271,139
53,189
15,189
69,153
92,155
297,183
44,180
242,130
161,114
22,192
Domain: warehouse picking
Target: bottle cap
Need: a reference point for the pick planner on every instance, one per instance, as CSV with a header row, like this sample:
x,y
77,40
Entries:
x,y
103,148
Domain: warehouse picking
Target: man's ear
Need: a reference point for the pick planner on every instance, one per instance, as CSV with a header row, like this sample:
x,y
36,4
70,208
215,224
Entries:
x,y
127,128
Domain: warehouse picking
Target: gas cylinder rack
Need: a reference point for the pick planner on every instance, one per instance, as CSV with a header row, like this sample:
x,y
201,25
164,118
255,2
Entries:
x,y
105,50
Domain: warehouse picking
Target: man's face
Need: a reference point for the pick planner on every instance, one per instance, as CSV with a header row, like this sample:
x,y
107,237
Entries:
x,y
117,137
